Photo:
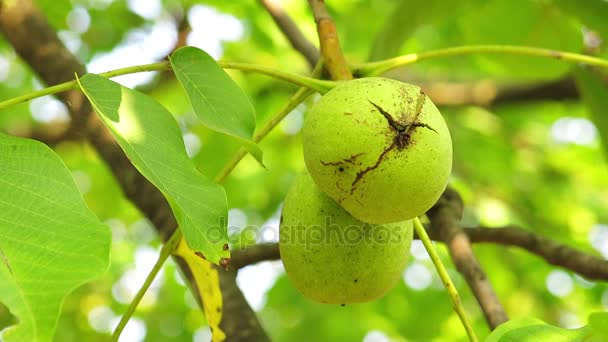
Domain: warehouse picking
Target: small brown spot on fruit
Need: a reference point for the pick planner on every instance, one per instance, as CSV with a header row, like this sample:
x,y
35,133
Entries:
x,y
225,247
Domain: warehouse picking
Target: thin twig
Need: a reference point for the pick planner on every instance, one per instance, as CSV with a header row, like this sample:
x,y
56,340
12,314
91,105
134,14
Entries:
x,y
445,218
445,278
293,101
165,252
380,67
274,120
333,58
291,31
368,69
321,86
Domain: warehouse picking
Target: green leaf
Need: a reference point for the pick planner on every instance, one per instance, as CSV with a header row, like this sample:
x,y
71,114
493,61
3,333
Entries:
x,y
511,325
532,330
592,13
150,137
405,19
594,93
50,242
216,99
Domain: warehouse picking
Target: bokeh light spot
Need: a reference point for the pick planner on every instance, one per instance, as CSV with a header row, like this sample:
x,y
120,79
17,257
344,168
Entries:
x,y
210,28
5,66
193,144
256,280
293,122
134,331
101,319
78,19
375,336
47,109
418,251
147,9
598,237
578,131
559,283
202,335
417,276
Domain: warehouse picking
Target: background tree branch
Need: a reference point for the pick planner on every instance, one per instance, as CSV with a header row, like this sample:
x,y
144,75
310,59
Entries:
x,y
487,93
558,90
51,135
445,218
36,42
589,266
291,31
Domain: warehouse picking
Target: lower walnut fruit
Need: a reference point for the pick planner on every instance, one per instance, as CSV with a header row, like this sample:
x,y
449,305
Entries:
x,y
379,147
330,256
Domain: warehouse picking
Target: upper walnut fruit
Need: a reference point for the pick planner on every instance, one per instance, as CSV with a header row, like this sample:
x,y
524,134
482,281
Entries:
x,y
378,147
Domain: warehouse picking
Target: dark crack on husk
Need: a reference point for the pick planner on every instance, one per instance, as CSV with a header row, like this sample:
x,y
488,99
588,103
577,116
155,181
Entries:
x,y
350,159
402,137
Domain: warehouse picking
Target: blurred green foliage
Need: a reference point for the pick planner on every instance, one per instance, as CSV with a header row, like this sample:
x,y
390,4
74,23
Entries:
x,y
537,164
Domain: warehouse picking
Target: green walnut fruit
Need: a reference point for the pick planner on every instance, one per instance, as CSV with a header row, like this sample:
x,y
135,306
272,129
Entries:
x,y
330,256
379,147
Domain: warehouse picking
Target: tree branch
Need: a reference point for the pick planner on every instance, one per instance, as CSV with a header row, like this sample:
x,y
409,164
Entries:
x,y
589,266
486,93
35,40
254,254
291,31
445,219
559,90
333,59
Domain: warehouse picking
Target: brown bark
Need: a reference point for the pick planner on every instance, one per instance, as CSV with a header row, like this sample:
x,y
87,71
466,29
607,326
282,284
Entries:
x,y
445,218
291,31
333,58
